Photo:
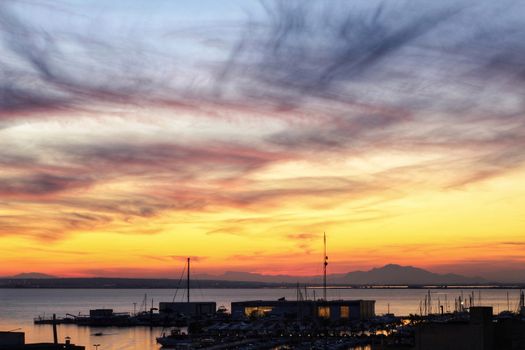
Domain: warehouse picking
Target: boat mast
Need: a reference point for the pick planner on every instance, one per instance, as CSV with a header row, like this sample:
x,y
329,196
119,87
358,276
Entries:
x,y
188,282
324,267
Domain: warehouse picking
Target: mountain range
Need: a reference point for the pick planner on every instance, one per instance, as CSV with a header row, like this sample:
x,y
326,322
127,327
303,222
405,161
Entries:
x,y
31,275
390,274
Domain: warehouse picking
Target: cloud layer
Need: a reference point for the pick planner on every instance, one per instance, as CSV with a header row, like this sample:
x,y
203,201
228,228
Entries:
x,y
324,105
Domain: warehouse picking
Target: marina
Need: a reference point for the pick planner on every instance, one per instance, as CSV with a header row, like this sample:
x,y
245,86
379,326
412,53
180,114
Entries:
x,y
288,330
351,335
310,323
302,321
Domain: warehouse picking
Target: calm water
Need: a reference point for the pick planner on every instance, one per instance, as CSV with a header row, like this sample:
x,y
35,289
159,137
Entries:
x,y
19,306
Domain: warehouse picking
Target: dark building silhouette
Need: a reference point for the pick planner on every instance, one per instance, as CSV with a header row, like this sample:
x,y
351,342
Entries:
x,y
332,309
481,332
16,341
193,308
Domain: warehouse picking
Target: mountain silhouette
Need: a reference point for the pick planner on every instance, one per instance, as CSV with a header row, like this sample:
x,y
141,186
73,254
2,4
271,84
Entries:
x,y
397,274
390,274
32,275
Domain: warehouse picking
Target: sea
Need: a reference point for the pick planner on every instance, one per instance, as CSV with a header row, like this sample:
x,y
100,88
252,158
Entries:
x,y
18,307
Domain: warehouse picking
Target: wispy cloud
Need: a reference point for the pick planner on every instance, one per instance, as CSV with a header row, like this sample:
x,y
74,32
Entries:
x,y
39,185
219,109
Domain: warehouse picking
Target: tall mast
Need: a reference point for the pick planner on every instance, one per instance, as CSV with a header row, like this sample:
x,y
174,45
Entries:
x,y
188,281
324,267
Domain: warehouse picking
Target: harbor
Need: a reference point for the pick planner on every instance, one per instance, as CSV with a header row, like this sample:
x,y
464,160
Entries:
x,y
384,327
305,322
281,330
314,323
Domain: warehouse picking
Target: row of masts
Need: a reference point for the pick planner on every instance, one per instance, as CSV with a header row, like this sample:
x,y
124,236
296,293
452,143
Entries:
x,y
461,303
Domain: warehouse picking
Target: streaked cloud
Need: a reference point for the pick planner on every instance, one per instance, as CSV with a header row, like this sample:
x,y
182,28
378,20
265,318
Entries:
x,y
295,118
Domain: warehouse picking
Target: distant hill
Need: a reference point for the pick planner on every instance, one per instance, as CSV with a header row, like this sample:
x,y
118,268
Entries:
x,y
32,275
115,283
391,274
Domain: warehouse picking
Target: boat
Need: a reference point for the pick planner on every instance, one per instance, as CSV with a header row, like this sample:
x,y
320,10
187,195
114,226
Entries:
x,y
176,339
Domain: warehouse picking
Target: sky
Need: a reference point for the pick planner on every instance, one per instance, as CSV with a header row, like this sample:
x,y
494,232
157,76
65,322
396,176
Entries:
x,y
136,133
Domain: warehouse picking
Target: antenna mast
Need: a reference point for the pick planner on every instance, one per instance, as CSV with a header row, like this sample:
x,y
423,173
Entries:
x,y
188,282
324,267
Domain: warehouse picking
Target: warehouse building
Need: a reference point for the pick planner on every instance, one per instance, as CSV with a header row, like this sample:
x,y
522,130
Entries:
x,y
333,309
194,308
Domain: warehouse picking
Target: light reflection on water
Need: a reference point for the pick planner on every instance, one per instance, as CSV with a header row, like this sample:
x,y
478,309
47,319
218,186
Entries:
x,y
18,307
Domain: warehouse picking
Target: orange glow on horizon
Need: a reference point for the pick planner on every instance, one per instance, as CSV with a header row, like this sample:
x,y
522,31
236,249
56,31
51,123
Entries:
x,y
237,137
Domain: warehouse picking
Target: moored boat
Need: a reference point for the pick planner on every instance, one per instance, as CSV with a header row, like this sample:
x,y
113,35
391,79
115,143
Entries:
x,y
176,339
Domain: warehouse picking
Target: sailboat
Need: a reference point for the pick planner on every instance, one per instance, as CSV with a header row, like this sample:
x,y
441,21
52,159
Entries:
x,y
177,339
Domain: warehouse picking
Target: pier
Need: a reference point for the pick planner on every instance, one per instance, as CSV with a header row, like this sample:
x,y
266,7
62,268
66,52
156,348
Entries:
x,y
16,341
284,324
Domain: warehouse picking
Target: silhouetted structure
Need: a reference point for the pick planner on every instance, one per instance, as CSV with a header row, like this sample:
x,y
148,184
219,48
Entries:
x,y
480,332
333,309
192,308
16,341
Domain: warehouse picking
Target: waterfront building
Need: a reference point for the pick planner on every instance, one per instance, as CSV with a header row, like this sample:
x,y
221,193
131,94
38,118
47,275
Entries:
x,y
193,308
334,310
480,332
16,341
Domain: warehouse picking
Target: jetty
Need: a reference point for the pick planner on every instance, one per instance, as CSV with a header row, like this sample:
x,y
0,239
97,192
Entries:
x,y
316,323
13,340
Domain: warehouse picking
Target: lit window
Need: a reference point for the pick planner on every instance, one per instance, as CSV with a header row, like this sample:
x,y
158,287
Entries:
x,y
323,311
345,311
257,311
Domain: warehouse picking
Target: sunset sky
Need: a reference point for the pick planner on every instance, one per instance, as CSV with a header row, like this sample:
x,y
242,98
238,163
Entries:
x,y
136,133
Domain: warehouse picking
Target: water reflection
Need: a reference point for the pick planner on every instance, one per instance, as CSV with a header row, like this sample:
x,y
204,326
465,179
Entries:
x,y
19,306
136,338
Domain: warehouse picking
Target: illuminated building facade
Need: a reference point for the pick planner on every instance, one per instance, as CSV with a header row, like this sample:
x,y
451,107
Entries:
x,y
333,309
